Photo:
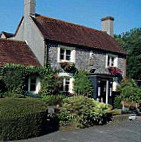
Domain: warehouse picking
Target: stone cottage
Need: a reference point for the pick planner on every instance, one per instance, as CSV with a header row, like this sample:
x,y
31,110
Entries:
x,y
55,42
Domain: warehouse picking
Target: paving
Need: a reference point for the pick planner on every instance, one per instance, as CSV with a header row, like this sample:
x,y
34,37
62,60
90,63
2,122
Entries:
x,y
129,131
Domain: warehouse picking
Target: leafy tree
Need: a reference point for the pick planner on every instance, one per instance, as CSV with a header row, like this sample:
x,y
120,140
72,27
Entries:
x,y
131,42
82,84
129,91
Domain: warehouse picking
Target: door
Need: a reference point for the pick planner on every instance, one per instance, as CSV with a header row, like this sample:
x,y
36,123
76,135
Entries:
x,y
103,91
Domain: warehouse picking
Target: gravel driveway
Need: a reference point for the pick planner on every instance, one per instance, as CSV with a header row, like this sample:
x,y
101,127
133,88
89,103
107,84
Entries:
x,y
129,131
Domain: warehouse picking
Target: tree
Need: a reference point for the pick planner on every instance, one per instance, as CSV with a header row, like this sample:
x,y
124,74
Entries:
x,y
82,84
129,91
131,42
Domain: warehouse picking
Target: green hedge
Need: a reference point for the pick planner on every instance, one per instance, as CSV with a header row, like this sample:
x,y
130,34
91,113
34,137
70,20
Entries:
x,y
21,118
52,100
83,111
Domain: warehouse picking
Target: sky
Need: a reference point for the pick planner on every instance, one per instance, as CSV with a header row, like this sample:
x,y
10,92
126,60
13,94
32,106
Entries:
x,y
127,13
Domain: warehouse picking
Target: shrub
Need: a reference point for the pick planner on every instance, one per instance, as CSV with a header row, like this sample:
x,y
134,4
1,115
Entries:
x,y
117,103
129,91
21,118
82,84
12,79
116,112
83,111
52,100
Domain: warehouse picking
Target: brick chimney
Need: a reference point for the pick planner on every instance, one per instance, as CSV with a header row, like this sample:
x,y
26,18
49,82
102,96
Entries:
x,y
108,25
29,8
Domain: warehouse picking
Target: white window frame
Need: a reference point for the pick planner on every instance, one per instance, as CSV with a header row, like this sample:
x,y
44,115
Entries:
x,y
66,75
37,85
72,56
64,84
115,60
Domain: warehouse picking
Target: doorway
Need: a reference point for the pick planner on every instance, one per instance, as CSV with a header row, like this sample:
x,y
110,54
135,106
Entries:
x,y
103,91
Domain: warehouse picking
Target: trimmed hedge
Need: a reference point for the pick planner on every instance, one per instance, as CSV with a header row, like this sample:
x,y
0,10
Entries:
x,y
52,100
21,118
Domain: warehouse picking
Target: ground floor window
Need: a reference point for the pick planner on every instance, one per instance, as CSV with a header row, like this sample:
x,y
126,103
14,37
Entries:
x,y
65,87
32,84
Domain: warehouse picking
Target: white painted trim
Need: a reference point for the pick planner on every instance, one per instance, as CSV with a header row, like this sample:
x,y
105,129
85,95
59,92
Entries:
x,y
107,91
73,52
115,60
71,80
38,85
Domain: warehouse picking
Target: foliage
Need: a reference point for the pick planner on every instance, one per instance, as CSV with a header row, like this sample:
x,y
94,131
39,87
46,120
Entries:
x,y
13,76
131,42
83,111
115,71
50,84
129,91
21,118
13,79
117,102
52,100
82,84
12,95
68,67
116,112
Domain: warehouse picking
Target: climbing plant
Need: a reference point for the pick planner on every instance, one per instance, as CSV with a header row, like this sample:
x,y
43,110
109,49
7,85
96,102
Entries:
x,y
13,76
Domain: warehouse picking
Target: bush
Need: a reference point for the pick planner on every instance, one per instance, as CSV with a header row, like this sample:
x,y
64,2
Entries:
x,y
82,84
117,103
12,95
21,118
116,112
83,111
129,91
52,100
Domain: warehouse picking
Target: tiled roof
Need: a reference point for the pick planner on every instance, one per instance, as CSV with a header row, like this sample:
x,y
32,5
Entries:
x,y
64,32
16,52
8,35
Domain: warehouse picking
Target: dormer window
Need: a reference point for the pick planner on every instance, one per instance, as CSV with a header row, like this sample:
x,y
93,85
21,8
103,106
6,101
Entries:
x,y
111,60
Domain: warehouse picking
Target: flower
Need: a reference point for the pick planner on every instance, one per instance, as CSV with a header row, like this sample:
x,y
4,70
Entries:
x,y
67,66
115,71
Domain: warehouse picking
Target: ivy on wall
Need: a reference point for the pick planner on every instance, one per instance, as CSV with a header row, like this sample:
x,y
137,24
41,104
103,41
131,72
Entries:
x,y
13,76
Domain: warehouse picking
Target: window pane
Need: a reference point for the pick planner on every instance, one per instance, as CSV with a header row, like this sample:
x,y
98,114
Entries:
x,y
67,88
33,80
68,58
62,57
32,87
68,52
62,53
108,61
33,84
67,85
112,61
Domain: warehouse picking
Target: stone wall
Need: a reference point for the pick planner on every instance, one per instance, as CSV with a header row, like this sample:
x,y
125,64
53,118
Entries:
x,y
82,58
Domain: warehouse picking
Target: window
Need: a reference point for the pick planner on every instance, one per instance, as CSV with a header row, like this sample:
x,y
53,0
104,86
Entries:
x,y
65,85
111,60
33,84
65,54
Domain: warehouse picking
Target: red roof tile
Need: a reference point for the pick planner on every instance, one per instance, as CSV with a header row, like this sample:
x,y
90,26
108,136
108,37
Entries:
x,y
64,32
16,52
